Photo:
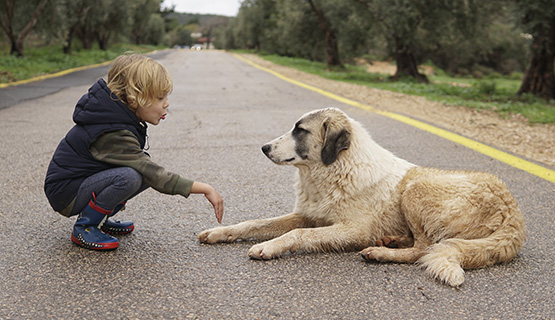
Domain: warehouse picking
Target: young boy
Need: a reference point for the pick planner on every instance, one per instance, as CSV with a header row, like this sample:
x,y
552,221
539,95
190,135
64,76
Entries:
x,y
100,164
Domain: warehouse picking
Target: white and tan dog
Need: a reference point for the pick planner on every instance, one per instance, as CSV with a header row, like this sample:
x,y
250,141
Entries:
x,y
353,194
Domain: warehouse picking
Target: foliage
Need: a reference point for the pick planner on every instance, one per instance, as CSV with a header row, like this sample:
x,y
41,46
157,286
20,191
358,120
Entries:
x,y
290,28
17,20
296,32
254,18
459,36
155,29
101,21
141,14
475,38
536,16
491,47
185,19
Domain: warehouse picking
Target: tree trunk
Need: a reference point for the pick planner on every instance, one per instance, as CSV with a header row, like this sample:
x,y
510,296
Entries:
x,y
18,44
540,78
103,40
67,46
16,49
332,52
83,11
406,64
7,23
87,43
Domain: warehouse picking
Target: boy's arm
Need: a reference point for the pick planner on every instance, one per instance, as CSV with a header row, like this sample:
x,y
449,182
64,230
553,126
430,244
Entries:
x,y
121,148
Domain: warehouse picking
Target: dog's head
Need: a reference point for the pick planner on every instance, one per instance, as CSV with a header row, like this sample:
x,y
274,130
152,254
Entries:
x,y
317,136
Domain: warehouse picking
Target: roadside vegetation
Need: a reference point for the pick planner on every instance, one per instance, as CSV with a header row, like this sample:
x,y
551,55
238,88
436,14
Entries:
x,y
494,92
50,59
478,38
45,36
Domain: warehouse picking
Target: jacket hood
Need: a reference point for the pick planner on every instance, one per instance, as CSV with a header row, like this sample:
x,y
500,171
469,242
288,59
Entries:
x,y
100,106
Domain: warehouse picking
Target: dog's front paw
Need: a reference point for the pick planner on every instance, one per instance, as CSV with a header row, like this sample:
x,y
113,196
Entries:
x,y
215,235
264,251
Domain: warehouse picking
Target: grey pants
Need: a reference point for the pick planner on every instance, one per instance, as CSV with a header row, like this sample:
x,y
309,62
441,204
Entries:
x,y
111,187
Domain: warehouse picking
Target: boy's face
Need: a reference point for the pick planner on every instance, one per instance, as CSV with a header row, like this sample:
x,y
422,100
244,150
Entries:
x,y
155,112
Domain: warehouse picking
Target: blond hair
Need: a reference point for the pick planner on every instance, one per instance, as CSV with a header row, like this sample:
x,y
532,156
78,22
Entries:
x,y
138,80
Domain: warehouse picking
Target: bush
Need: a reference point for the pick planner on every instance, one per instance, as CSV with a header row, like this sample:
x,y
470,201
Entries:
x,y
485,87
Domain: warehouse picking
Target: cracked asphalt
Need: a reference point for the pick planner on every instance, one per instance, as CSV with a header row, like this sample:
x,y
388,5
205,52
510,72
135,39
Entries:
x,y
222,111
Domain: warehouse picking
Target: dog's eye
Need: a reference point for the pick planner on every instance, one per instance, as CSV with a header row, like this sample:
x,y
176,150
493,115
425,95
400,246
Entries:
x,y
298,130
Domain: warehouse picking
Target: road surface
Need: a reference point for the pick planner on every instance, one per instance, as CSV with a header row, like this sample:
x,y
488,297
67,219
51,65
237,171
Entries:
x,y
222,111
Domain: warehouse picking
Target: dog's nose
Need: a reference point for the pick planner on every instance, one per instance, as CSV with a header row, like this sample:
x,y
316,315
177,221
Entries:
x,y
266,148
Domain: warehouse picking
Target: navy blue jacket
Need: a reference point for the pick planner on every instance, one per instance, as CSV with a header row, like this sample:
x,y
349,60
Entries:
x,y
97,112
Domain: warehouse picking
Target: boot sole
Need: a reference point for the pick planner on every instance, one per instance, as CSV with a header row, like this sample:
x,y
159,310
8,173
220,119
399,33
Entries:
x,y
104,246
114,232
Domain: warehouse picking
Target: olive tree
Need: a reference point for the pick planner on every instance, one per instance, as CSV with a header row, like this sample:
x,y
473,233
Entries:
x,y
18,20
402,23
538,19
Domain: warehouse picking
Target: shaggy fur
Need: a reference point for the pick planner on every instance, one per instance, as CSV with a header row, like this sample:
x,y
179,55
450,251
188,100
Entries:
x,y
353,194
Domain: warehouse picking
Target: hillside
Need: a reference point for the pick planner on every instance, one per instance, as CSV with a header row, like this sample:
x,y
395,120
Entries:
x,y
200,19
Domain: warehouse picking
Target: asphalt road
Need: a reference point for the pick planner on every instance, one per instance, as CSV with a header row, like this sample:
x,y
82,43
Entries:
x,y
222,111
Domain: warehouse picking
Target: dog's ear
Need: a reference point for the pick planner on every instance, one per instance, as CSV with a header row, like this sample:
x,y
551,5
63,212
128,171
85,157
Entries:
x,y
336,139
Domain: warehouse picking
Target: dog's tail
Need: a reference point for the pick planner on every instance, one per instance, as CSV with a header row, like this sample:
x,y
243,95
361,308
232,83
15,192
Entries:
x,y
446,259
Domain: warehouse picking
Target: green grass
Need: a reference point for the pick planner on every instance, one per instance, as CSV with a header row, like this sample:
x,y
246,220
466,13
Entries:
x,y
496,93
51,59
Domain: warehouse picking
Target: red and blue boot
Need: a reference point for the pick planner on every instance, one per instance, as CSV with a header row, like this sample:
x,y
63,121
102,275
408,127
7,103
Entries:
x,y
86,231
116,227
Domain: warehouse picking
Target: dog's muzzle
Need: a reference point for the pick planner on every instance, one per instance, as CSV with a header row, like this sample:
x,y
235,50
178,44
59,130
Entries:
x,y
266,149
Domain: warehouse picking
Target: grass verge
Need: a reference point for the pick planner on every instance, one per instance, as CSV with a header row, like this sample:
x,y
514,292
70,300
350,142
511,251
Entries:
x,y
493,93
51,59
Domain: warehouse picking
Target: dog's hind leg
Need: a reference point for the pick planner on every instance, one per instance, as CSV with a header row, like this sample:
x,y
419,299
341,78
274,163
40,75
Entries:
x,y
384,254
441,260
262,229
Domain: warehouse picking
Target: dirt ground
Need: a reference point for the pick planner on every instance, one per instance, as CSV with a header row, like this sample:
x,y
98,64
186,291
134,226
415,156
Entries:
x,y
513,134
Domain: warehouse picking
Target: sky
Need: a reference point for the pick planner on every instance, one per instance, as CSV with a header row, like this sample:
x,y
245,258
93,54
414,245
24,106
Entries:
x,y
221,7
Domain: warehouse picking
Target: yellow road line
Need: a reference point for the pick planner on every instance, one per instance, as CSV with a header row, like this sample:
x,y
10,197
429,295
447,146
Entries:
x,y
502,156
53,75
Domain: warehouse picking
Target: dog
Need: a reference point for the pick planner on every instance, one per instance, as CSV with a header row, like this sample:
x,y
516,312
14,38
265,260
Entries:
x,y
352,194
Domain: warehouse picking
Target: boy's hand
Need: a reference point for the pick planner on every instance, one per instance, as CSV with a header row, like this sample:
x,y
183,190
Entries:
x,y
217,202
212,195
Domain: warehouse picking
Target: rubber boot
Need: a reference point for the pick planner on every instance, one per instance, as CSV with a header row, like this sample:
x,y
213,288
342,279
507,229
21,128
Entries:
x,y
116,227
86,231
